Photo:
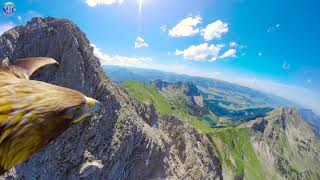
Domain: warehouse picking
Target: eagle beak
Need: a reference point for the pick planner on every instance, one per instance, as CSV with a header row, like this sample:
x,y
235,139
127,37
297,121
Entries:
x,y
94,105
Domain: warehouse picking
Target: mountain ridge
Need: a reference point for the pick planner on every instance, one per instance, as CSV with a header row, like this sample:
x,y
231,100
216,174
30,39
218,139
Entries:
x,y
290,141
246,150
119,74
119,143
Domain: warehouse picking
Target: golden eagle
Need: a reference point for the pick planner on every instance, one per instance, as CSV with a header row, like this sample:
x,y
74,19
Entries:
x,y
32,113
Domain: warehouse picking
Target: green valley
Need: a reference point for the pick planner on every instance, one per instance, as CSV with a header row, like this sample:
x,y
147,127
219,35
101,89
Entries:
x,y
149,93
250,139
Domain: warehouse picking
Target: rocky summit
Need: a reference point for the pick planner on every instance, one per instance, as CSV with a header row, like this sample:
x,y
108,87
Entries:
x,y
287,144
128,140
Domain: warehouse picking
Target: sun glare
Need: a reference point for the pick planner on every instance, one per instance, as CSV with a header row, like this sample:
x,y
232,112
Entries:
x,y
140,5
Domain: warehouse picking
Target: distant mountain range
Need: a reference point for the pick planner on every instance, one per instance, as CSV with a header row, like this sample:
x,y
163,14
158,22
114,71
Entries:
x,y
251,143
226,98
312,118
120,74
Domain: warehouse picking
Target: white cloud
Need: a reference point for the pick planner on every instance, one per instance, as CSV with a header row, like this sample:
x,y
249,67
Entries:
x,y
128,61
186,27
273,28
201,52
5,27
214,30
285,65
229,53
300,95
233,44
140,43
119,60
19,18
147,62
93,3
163,28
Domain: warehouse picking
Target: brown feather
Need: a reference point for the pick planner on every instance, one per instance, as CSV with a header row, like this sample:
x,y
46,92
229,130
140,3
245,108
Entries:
x,y
24,68
35,116
32,113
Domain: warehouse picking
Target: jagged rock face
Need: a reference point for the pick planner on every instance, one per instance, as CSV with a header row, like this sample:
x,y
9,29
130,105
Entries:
x,y
127,140
260,125
187,91
188,88
160,84
191,149
191,89
286,144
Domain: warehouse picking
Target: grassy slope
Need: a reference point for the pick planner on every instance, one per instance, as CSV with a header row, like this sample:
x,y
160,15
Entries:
x,y
236,152
149,93
236,142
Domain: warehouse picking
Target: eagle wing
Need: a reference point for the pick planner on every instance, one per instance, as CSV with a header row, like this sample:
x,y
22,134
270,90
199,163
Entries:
x,y
24,68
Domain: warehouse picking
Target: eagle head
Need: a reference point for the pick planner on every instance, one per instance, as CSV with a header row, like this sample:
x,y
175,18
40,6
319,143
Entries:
x,y
80,108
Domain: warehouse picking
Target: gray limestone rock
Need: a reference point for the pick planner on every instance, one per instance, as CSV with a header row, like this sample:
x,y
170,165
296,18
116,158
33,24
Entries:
x,y
127,140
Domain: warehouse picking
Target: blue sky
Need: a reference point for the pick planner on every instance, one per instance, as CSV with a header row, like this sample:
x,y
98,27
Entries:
x,y
267,45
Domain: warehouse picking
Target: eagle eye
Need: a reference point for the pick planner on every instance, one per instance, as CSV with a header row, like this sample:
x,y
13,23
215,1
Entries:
x,y
73,112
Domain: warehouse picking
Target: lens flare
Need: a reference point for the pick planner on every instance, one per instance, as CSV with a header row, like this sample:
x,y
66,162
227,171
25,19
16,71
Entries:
x,y
140,5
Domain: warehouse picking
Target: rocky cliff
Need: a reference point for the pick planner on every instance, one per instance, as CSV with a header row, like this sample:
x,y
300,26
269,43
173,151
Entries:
x,y
128,140
286,144
184,94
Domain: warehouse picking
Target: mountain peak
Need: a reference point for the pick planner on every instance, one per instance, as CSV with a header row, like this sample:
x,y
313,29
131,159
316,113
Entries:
x,y
160,84
187,87
191,89
120,143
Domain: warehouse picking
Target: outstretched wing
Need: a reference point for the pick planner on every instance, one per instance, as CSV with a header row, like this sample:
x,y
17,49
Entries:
x,y
24,68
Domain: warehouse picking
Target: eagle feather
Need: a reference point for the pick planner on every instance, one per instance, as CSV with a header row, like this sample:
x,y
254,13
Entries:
x,y
32,113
